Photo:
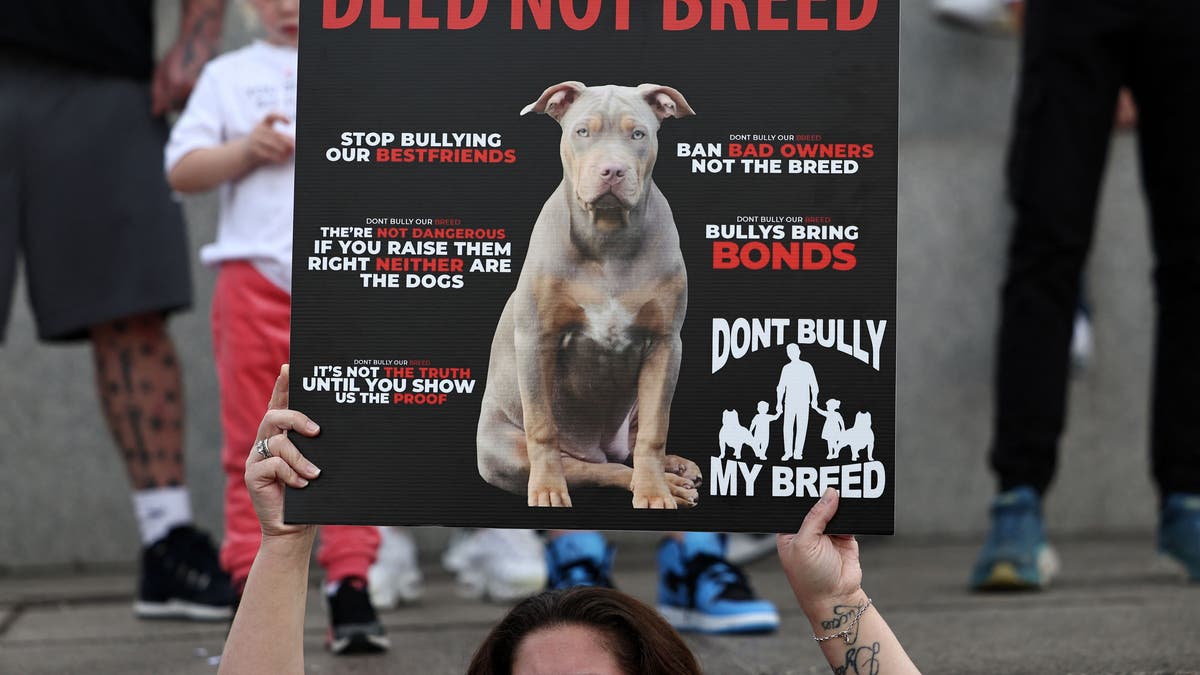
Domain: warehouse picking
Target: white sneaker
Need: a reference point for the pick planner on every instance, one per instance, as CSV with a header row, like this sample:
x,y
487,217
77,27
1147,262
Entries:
x,y
743,549
989,16
395,578
499,565
458,550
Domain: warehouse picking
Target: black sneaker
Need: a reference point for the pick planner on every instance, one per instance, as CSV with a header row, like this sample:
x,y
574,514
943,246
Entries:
x,y
182,579
354,627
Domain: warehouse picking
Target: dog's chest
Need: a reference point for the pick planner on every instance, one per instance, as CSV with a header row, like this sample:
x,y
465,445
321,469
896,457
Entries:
x,y
603,312
608,323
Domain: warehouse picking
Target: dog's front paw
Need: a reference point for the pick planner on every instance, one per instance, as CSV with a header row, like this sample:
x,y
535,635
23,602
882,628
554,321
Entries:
x,y
652,492
684,468
683,490
546,490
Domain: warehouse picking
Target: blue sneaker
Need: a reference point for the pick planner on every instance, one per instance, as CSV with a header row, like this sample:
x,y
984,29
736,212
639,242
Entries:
x,y
579,559
1015,555
698,590
1179,531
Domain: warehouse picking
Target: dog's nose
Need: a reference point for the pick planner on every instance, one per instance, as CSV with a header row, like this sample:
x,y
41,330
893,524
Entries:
x,y
612,173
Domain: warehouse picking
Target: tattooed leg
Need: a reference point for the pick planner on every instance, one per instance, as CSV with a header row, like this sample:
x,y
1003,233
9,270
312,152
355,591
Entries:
x,y
141,390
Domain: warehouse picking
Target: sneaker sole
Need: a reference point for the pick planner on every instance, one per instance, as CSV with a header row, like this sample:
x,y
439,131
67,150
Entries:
x,y
178,609
1170,565
999,28
475,587
360,644
698,622
1005,577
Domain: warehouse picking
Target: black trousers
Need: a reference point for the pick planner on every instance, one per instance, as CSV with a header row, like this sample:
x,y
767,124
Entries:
x,y
1076,55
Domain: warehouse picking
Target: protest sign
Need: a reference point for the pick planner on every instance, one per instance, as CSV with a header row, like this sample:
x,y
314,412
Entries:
x,y
617,264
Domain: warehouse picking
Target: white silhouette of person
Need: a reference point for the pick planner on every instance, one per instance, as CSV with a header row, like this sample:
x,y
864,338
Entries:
x,y
834,429
794,395
760,429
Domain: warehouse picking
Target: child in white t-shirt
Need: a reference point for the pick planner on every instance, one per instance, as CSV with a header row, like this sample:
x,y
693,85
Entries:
x,y
237,135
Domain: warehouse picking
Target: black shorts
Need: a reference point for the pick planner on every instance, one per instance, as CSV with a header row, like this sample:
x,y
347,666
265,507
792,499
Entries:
x,y
84,201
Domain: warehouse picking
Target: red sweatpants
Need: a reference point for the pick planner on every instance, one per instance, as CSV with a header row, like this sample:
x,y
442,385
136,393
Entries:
x,y
250,324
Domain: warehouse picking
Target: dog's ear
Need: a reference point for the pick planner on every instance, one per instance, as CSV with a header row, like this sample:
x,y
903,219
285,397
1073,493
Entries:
x,y
665,101
555,100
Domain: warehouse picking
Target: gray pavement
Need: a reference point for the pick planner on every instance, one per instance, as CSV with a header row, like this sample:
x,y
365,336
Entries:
x,y
1116,609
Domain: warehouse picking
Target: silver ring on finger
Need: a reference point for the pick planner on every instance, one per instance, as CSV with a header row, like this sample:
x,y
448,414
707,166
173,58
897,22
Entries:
x,y
260,446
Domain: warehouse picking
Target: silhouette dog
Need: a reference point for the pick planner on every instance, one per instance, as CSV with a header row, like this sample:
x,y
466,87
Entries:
x,y
733,435
860,437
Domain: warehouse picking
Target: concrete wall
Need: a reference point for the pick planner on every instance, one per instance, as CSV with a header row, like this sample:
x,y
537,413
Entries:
x,y
64,498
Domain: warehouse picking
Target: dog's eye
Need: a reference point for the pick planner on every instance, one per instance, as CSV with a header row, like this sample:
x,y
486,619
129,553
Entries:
x,y
582,132
638,134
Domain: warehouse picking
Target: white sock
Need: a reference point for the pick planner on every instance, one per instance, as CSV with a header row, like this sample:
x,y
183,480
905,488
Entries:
x,y
160,509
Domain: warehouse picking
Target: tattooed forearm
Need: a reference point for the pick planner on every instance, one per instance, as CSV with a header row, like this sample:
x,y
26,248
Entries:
x,y
860,661
843,618
201,30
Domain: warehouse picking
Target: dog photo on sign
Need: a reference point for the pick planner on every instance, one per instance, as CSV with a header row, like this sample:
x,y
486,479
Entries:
x,y
586,354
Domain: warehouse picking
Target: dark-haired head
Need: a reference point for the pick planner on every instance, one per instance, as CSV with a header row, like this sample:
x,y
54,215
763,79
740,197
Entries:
x,y
636,638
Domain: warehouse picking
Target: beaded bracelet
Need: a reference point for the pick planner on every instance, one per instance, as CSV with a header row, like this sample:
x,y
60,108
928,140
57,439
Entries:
x,y
845,634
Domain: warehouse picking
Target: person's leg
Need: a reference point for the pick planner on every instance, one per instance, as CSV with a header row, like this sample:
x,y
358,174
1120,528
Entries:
x,y
1165,77
1070,74
801,432
347,551
106,259
789,432
346,554
1071,70
250,327
141,391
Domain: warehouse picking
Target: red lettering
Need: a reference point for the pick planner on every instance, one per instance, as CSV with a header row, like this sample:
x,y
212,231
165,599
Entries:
x,y
785,256
379,20
417,19
846,22
672,20
567,8
724,255
765,20
330,18
755,255
622,19
816,256
741,20
540,9
455,19
804,17
843,255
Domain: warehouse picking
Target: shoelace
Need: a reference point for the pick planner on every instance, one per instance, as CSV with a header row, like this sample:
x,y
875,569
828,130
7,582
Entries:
x,y
1008,521
732,580
197,563
581,572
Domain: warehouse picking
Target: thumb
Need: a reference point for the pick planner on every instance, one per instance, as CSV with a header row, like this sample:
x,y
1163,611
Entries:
x,y
279,395
819,515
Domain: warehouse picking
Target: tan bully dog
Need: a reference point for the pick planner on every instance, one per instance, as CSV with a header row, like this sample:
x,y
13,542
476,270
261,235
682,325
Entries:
x,y
587,350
